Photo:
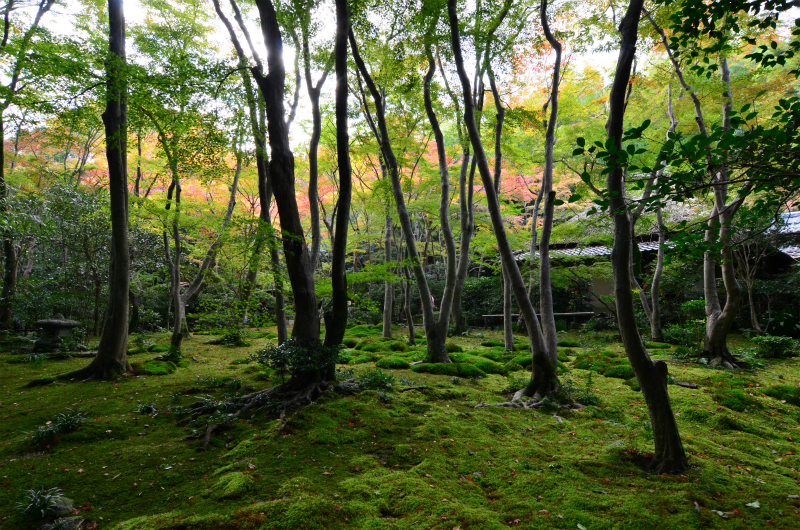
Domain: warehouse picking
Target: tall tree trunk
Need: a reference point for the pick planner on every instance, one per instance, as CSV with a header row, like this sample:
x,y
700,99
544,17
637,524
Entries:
x,y
281,172
655,287
388,286
138,165
264,235
336,319
460,323
112,351
669,456
445,231
508,310
543,378
435,341
175,270
720,319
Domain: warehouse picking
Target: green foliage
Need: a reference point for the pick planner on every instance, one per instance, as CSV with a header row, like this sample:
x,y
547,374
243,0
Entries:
x,y
375,379
776,347
493,343
146,408
392,362
568,343
675,334
453,348
452,369
62,423
297,355
38,502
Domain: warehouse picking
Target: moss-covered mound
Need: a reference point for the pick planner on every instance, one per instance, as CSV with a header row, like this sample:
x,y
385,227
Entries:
x,y
154,367
392,362
790,394
605,363
451,369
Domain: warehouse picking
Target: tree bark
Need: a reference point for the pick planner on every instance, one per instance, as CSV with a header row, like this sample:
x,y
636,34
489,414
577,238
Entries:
x,y
336,319
669,456
112,351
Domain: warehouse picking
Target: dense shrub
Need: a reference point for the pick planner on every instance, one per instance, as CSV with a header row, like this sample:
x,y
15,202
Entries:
x,y
375,379
776,347
674,334
299,355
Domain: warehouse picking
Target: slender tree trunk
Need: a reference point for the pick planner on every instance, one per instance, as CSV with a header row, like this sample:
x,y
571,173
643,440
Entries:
x,y
444,201
9,251
508,310
543,378
138,165
388,286
112,351
336,319
281,172
720,319
175,277
669,456
435,341
655,287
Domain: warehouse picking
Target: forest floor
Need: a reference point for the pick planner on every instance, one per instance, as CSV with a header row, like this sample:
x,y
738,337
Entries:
x,y
386,459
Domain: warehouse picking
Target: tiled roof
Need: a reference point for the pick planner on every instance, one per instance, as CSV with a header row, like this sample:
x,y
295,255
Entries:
x,y
792,220
595,250
793,252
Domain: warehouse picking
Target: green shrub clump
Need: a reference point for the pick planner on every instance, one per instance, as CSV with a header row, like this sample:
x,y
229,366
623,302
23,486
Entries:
x,y
776,347
375,379
451,369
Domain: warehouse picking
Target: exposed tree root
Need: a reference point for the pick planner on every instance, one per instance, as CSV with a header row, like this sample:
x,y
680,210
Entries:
x,y
282,399
530,404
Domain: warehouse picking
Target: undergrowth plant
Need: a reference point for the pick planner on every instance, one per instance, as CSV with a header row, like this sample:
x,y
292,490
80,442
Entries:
x,y
62,423
39,502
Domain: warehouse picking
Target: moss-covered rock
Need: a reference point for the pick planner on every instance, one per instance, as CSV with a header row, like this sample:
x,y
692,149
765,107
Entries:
x,y
492,343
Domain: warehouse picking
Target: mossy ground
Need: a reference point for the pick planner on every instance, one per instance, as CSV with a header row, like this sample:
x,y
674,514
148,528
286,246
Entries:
x,y
405,460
